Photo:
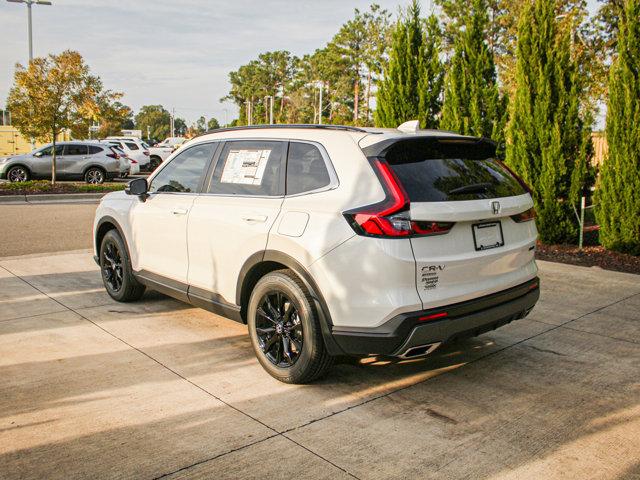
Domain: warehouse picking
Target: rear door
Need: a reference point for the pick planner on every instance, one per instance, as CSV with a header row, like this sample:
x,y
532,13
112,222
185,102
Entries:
x,y
73,160
470,207
231,220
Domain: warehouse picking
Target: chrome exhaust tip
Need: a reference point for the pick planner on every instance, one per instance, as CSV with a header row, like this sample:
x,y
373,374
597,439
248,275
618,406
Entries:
x,y
420,350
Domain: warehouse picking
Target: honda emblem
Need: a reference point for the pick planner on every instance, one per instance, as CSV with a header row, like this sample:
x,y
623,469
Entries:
x,y
495,207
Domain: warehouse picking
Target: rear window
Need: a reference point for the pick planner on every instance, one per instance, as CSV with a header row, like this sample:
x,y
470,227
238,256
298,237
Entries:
x,y
132,145
438,170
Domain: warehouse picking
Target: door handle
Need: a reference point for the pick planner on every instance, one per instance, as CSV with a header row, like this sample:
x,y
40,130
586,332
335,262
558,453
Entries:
x,y
179,211
255,219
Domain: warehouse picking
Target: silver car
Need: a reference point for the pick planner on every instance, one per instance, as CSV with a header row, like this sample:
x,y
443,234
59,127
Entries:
x,y
89,161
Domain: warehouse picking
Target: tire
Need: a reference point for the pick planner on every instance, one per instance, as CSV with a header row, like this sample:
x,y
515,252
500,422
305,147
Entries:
x,y
291,323
18,174
95,176
115,267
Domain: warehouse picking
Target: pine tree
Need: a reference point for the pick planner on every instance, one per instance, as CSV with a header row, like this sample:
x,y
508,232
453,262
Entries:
x,y
472,101
431,75
548,142
398,99
618,194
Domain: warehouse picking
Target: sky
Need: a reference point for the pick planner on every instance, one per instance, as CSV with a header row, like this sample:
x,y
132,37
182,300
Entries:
x,y
174,53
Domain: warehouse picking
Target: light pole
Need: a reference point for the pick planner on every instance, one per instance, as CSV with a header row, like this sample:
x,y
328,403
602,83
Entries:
x,y
226,123
320,106
29,3
269,102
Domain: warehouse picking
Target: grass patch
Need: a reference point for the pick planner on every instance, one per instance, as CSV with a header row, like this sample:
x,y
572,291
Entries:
x,y
35,187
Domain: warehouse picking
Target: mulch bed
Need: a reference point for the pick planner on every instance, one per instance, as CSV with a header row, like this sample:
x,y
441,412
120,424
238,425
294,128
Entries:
x,y
39,187
589,257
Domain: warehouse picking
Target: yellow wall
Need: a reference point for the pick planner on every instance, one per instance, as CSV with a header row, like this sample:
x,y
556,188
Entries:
x,y
12,143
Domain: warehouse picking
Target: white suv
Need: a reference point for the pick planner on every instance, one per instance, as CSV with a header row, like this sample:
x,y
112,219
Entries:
x,y
135,149
329,241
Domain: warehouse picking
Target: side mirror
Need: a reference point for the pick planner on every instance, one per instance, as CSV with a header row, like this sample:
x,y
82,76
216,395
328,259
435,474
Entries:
x,y
37,154
137,187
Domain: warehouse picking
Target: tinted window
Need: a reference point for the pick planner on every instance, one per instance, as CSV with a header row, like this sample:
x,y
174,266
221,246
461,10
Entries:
x,y
437,170
46,152
93,149
249,168
183,173
306,169
132,146
74,149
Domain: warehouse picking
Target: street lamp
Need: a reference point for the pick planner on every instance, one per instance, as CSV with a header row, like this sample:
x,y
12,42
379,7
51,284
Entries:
x,y
29,3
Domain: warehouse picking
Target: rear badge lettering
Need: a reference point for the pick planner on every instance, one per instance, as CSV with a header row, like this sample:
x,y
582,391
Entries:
x,y
429,276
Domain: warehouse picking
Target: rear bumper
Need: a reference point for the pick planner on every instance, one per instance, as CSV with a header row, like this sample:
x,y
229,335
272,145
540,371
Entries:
x,y
402,334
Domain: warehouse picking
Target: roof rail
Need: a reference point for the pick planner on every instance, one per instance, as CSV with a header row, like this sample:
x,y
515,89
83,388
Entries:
x,y
345,128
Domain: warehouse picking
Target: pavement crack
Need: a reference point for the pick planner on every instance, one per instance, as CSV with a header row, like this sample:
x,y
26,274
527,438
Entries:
x,y
544,350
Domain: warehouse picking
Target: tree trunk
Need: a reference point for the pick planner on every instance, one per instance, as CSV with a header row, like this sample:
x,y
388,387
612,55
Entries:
x,y
356,98
53,160
367,105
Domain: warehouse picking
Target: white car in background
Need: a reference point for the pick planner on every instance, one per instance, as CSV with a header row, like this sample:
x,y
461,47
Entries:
x,y
161,151
135,149
128,166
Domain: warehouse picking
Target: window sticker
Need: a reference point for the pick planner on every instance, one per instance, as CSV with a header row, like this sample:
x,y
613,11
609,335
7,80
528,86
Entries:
x,y
245,166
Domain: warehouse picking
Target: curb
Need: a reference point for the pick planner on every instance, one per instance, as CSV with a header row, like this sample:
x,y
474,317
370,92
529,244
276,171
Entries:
x,y
53,198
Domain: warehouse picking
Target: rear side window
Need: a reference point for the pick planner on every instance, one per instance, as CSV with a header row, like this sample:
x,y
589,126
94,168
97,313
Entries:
x,y
93,149
438,170
306,169
75,149
183,173
249,168
132,146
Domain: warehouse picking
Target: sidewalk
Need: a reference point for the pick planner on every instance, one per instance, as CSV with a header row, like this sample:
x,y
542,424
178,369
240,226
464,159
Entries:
x,y
157,389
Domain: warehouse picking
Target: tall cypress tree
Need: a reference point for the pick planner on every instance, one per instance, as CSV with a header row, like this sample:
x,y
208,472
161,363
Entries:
x,y
398,99
472,101
431,75
547,140
618,193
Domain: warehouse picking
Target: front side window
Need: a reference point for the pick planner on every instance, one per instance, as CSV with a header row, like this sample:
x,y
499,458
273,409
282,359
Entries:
x,y
183,173
74,149
47,151
251,167
306,169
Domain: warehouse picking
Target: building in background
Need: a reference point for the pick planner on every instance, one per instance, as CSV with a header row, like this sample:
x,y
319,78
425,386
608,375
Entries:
x,y
12,143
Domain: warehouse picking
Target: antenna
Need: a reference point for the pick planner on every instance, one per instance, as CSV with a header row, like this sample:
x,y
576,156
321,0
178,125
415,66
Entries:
x,y
411,126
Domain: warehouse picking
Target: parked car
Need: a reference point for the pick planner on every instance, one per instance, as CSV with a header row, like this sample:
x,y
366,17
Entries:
x,y
329,241
128,166
90,161
161,151
135,149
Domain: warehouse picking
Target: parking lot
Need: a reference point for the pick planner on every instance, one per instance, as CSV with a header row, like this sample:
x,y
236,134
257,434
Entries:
x,y
155,388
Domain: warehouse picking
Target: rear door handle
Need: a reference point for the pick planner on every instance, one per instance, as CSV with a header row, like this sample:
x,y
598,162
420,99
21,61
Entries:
x,y
179,211
255,219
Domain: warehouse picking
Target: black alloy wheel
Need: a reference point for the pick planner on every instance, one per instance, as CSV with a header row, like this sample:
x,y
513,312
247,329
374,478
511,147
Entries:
x,y
279,329
112,266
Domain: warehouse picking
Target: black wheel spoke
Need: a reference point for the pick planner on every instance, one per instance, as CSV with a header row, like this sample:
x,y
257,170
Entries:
x,y
278,328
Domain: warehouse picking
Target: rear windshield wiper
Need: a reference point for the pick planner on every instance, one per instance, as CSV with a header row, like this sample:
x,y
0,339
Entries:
x,y
474,187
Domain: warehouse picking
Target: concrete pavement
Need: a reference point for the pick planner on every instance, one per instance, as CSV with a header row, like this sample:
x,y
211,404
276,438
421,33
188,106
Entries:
x,y
92,388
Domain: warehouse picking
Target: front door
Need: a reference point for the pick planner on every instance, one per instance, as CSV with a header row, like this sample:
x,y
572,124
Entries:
x,y
159,224
231,220
41,165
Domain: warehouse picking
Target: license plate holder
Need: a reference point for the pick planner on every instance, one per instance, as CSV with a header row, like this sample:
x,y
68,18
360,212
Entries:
x,y
487,235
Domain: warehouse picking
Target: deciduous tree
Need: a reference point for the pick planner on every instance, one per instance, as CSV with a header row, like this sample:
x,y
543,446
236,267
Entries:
x,y
50,95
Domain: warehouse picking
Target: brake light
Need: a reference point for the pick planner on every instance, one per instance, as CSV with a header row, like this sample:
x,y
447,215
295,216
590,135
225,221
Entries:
x,y
522,183
132,160
524,216
112,155
146,152
390,218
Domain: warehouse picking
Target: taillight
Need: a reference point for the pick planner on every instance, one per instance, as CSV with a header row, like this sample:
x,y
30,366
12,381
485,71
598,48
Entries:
x,y
132,160
522,183
390,218
112,155
524,216
146,152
